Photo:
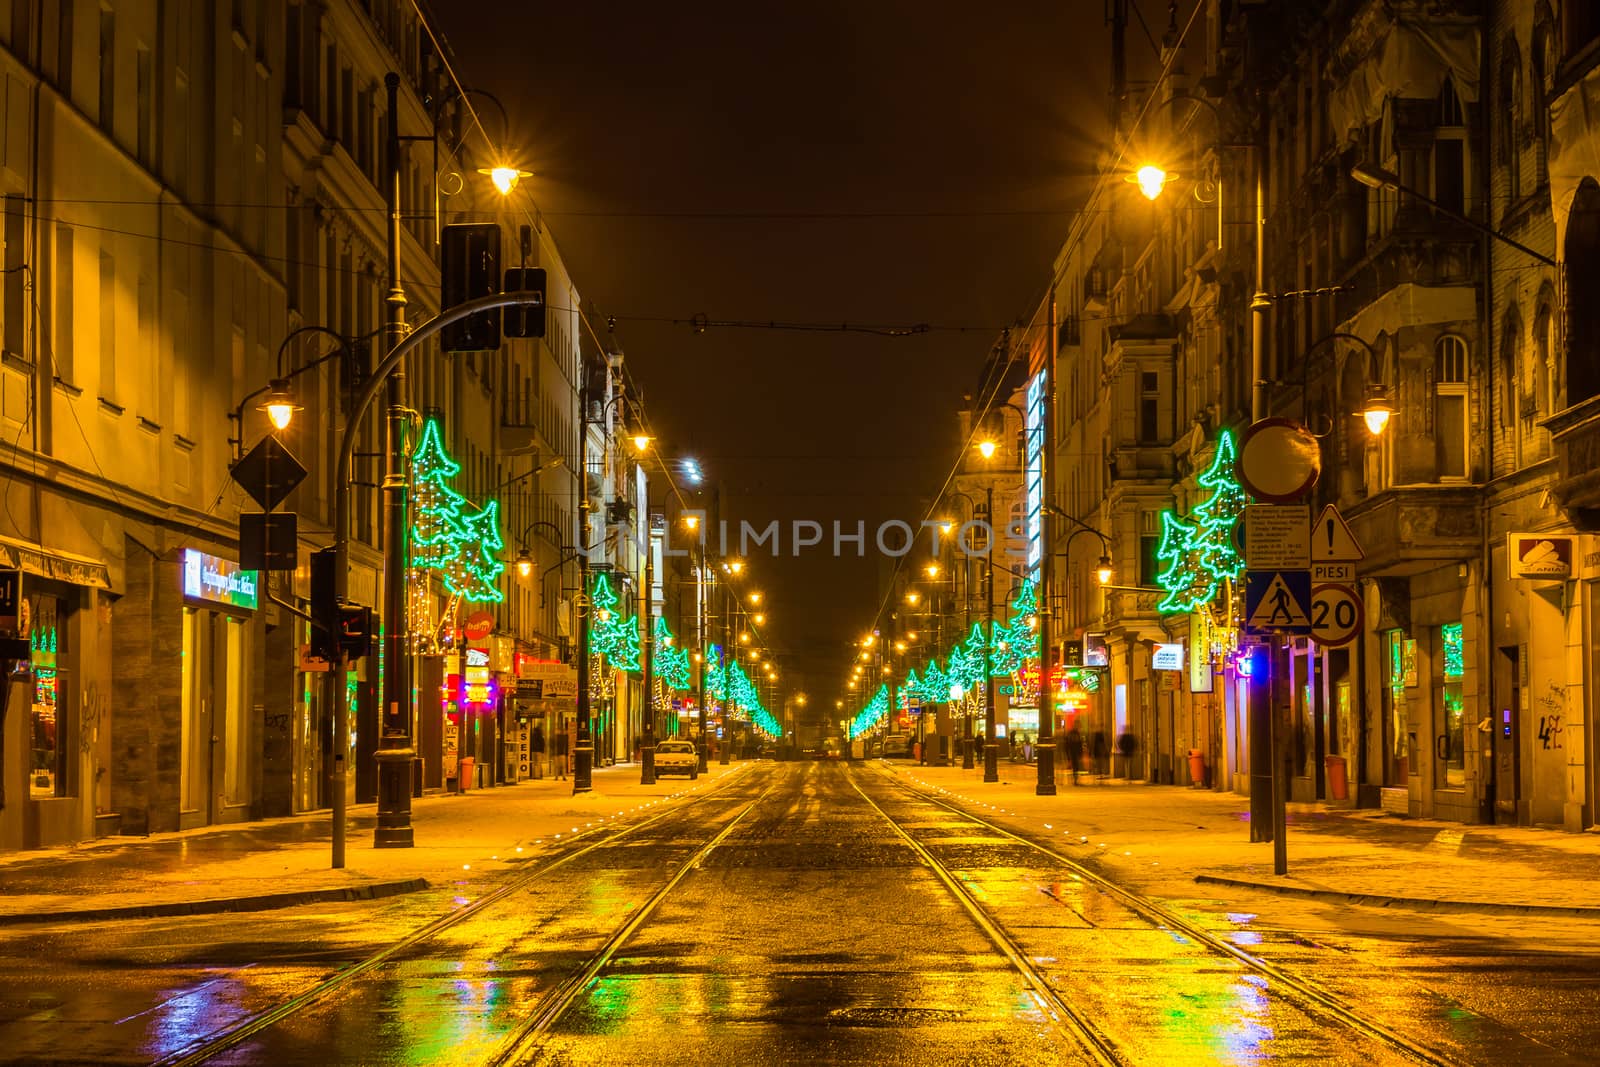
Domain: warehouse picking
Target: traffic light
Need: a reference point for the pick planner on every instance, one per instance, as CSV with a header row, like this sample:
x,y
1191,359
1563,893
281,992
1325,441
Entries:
x,y
525,321
469,267
325,604
355,630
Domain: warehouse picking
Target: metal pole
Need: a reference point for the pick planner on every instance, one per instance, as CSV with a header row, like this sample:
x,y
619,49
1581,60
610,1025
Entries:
x,y
395,752
729,652
647,745
1045,739
1265,798
583,744
700,633
991,755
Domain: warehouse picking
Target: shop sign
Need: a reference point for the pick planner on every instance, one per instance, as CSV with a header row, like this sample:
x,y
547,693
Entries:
x,y
10,600
556,679
1539,556
1095,651
480,624
476,677
219,581
1167,658
1201,637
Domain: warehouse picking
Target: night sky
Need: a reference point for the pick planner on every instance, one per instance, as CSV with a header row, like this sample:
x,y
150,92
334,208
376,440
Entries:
x,y
824,163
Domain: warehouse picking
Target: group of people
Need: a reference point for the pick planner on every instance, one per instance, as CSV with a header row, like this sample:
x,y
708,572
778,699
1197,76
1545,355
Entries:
x,y
1098,749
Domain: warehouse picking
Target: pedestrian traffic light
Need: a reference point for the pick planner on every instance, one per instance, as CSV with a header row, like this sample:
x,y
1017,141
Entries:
x,y
355,630
528,320
325,604
469,267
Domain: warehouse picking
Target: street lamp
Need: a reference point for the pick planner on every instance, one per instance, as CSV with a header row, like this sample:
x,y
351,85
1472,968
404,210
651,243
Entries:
x,y
504,179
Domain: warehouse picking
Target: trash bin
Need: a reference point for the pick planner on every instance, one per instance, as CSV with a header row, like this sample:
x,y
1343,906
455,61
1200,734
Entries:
x,y
1197,766
467,772
1338,782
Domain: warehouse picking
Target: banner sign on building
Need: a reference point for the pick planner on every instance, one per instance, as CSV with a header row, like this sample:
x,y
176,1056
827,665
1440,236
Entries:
x,y
1539,556
553,679
219,581
1167,658
1033,475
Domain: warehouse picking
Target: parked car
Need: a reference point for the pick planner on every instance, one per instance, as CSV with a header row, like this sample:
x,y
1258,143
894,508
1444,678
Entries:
x,y
831,748
872,748
676,756
767,750
897,746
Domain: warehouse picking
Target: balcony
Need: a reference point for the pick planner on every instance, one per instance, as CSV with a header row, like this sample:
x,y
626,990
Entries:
x,y
1416,528
1575,433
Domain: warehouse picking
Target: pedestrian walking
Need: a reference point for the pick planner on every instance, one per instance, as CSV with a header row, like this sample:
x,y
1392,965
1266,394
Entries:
x,y
536,747
1100,751
1074,741
1127,744
561,756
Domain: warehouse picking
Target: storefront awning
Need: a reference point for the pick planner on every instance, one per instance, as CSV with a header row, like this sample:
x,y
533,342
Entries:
x,y
52,563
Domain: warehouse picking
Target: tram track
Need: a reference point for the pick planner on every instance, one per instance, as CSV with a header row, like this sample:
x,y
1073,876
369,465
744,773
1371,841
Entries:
x,y
1304,993
524,1042
211,1045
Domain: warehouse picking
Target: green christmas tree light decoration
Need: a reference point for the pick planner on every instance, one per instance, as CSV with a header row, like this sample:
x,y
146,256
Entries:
x,y
670,662
449,534
909,688
610,634
1198,551
935,687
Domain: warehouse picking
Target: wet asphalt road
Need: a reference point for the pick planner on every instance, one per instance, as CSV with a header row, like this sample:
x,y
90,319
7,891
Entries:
x,y
812,931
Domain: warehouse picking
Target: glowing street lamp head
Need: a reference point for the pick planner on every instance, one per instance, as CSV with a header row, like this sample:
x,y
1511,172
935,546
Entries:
x,y
913,596
641,441
1151,180
524,564
760,618
735,566
1377,410
1103,571
755,598
692,522
931,570
280,404
505,179
986,448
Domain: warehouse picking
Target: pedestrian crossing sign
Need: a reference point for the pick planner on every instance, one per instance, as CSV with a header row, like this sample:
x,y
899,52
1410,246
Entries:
x,y
1277,602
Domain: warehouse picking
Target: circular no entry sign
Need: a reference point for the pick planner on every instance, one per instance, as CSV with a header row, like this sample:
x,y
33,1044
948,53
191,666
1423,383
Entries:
x,y
1279,460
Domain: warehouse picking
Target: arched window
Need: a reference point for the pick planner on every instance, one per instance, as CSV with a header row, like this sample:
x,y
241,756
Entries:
x,y
1508,149
1542,65
1450,406
1580,377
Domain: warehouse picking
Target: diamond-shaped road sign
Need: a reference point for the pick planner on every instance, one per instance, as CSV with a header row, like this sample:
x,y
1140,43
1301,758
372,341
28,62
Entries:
x,y
268,473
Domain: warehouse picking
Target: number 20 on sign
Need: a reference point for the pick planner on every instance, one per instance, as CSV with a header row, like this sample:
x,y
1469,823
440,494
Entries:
x,y
1335,614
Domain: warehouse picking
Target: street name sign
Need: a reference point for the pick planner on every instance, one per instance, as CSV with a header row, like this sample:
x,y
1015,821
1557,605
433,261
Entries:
x,y
1335,614
1276,537
1277,602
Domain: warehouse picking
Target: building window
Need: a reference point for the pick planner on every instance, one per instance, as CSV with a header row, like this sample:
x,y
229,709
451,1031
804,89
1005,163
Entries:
x,y
1542,64
1450,152
108,71
1149,408
1450,748
1450,406
1508,151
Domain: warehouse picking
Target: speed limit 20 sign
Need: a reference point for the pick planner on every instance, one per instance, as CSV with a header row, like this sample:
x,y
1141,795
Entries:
x,y
1335,614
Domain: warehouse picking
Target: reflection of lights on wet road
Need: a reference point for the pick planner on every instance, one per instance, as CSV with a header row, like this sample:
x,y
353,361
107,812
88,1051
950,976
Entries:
x,y
182,1019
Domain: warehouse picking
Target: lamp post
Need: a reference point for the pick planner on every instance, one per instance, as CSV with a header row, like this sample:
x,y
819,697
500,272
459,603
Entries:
x,y
647,745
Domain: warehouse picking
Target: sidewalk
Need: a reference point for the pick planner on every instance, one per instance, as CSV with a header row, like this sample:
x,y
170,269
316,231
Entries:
x,y
462,839
1138,831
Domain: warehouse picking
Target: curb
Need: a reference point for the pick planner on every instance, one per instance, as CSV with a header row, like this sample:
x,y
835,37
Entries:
x,y
219,905
1379,900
